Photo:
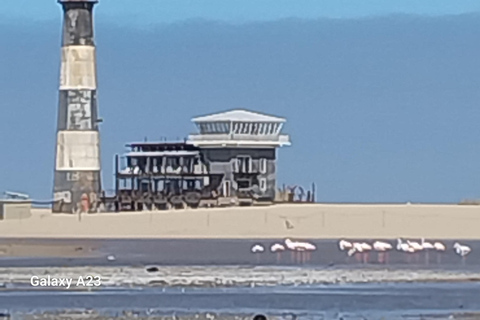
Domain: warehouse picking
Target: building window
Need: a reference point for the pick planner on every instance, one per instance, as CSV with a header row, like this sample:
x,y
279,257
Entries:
x,y
243,184
246,164
272,129
236,165
255,128
226,188
263,165
246,127
260,128
263,184
242,164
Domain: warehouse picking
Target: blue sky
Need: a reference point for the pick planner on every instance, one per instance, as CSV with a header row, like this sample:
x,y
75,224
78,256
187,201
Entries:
x,y
380,108
146,12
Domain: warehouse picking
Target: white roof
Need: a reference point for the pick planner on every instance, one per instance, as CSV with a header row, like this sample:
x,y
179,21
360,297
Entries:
x,y
238,115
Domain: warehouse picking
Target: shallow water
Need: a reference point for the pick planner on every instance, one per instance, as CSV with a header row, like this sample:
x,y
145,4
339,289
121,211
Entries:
x,y
371,301
352,301
134,252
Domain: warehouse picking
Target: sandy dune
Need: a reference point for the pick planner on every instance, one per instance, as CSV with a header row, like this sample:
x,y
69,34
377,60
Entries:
x,y
315,221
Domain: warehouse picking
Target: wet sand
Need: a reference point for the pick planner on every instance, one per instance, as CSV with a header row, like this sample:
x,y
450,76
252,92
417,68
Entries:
x,y
11,248
312,221
229,277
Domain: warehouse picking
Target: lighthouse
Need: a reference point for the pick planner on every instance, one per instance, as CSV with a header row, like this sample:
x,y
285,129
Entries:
x,y
77,176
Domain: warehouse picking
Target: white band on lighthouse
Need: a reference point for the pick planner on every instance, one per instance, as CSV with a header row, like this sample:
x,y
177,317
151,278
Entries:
x,y
78,151
78,68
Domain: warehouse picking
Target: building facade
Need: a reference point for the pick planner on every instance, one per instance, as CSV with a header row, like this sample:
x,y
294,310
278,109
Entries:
x,y
230,160
241,145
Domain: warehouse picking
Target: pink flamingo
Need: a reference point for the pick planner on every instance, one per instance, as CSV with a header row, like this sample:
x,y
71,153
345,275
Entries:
x,y
382,249
278,249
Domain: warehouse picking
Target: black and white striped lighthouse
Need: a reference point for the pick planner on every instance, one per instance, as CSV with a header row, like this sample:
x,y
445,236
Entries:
x,y
77,180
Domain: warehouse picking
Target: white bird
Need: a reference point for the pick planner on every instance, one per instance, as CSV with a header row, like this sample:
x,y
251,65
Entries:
x,y
277,247
307,246
427,245
301,248
415,245
353,250
356,247
461,250
291,245
381,246
360,247
405,247
439,246
296,245
365,246
111,258
343,245
258,248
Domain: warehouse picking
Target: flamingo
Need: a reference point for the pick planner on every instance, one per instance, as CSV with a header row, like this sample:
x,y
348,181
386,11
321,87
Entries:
x,y
256,249
439,248
417,247
343,245
292,246
278,249
356,248
360,247
299,246
404,247
366,248
427,246
382,248
305,248
462,250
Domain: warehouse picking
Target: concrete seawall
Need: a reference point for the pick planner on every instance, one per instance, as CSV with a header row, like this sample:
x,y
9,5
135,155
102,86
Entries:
x,y
313,221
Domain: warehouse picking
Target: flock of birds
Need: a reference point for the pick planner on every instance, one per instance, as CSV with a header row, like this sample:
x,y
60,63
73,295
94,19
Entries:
x,y
301,250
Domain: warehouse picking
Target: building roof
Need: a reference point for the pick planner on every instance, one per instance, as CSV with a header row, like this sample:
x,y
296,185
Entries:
x,y
66,1
238,115
177,153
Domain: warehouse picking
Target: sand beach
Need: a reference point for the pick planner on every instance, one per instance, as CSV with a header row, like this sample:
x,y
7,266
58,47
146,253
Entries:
x,y
312,221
